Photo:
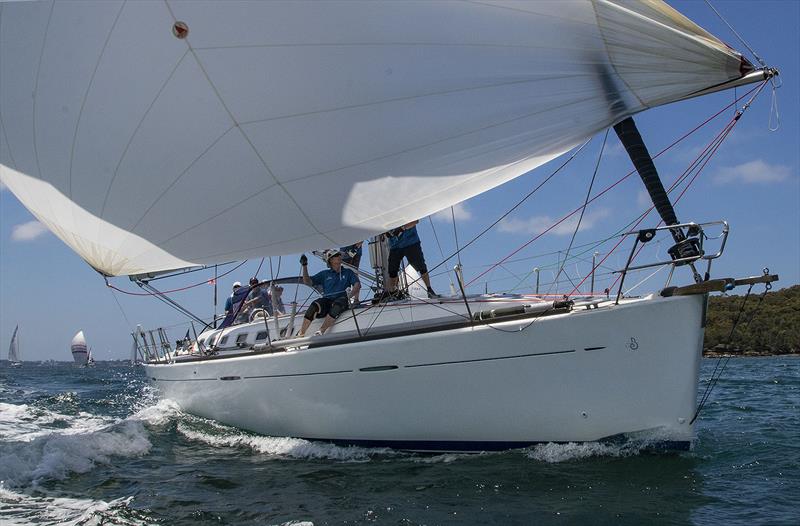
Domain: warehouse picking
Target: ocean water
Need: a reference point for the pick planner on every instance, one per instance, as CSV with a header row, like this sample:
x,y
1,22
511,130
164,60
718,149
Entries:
x,y
95,446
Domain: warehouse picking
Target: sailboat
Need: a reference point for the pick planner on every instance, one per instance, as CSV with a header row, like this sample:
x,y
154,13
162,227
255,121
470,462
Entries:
x,y
164,136
13,349
80,353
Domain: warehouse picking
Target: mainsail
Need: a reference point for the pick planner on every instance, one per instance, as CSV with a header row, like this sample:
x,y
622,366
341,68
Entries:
x,y
158,135
13,348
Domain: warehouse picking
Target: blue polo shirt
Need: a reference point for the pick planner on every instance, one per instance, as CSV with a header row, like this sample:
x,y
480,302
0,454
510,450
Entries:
x,y
404,239
334,284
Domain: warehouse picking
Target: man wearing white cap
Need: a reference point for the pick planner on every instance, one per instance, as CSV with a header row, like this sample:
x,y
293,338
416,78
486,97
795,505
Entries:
x,y
334,282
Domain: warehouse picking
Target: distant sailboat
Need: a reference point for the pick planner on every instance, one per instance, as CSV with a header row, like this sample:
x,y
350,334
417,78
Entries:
x,y
80,353
13,349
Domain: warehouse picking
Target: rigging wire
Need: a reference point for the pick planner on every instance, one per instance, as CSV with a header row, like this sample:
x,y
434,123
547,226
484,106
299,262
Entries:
x,y
712,382
745,44
696,166
438,244
455,234
180,289
121,309
503,216
585,203
687,134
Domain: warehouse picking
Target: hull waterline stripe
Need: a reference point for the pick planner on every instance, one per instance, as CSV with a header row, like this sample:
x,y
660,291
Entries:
x,y
492,359
593,348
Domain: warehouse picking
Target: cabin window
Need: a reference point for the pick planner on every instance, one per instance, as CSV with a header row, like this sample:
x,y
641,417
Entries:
x,y
261,336
242,338
224,340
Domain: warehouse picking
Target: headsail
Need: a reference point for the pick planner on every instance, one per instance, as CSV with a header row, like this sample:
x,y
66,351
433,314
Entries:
x,y
151,136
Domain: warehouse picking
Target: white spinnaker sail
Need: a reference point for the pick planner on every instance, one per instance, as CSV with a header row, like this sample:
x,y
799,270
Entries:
x,y
277,127
13,347
78,342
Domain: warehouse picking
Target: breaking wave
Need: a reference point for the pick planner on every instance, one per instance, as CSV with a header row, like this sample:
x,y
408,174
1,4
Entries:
x,y
20,509
39,445
215,434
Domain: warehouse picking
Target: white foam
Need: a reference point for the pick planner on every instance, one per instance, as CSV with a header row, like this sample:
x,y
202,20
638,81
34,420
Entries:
x,y
554,453
224,436
20,509
25,423
56,456
158,414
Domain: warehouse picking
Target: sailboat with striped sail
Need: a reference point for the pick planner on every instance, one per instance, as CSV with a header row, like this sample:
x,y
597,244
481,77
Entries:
x,y
80,352
337,121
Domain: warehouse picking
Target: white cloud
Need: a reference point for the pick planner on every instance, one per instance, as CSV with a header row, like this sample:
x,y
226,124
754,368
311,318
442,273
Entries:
x,y
459,210
614,149
752,172
538,224
643,199
28,231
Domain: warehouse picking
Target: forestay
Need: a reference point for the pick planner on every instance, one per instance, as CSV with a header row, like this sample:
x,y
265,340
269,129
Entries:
x,y
276,127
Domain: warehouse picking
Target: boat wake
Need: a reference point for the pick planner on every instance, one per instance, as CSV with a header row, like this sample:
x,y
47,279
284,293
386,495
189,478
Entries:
x,y
21,509
632,445
38,445
219,435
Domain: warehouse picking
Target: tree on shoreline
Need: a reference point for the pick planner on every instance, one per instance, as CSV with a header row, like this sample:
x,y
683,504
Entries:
x,y
769,327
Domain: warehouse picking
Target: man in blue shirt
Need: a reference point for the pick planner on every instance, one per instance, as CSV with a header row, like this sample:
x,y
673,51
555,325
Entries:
x,y
258,298
233,305
404,242
334,282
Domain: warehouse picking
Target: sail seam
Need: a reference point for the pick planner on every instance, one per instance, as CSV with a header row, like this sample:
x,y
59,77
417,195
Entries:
x,y
443,140
409,98
136,131
86,94
244,135
178,178
2,124
36,88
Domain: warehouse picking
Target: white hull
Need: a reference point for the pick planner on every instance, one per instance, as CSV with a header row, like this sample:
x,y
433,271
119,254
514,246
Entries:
x,y
584,375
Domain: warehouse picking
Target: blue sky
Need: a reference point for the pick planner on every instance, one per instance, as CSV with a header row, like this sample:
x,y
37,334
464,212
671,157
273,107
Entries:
x,y
753,182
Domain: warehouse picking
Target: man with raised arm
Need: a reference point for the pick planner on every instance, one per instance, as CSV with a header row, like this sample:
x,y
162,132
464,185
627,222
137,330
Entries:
x,y
334,281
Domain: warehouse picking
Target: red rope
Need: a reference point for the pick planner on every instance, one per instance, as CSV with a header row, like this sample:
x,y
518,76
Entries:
x,y
491,268
691,167
713,146
109,285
